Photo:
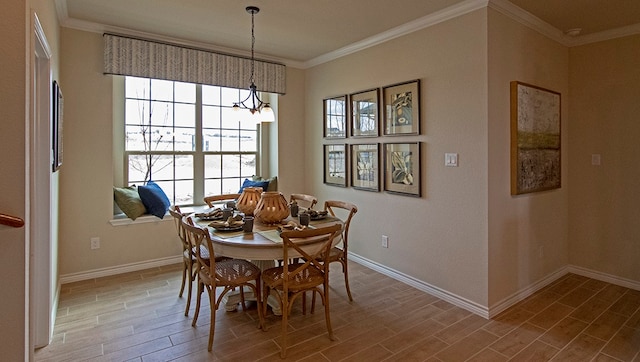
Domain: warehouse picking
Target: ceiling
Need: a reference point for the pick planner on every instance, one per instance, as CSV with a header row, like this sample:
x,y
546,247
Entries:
x,y
296,31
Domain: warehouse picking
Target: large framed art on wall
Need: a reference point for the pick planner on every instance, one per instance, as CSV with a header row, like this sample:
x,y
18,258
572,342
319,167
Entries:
x,y
535,139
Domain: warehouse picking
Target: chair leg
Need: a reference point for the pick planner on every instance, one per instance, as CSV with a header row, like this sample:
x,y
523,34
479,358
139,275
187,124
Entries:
x,y
285,322
327,315
192,277
214,308
199,296
259,302
242,303
345,270
184,278
265,297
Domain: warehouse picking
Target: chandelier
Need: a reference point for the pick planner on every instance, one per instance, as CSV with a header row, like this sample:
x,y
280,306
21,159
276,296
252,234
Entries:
x,y
259,111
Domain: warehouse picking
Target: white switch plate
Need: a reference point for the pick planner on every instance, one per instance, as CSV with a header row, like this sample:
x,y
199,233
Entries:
x,y
451,159
595,159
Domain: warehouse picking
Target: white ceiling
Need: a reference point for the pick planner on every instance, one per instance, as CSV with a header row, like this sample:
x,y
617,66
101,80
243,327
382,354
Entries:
x,y
303,32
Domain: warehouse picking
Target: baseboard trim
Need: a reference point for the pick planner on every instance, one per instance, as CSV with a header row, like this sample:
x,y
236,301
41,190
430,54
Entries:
x,y
623,282
526,292
454,299
120,269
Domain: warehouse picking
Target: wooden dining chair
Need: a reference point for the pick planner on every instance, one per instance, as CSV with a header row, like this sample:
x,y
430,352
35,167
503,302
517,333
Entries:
x,y
299,275
227,273
211,200
338,253
308,201
188,255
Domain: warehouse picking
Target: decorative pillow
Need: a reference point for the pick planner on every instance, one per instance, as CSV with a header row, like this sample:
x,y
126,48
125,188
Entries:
x,y
154,199
249,183
129,201
273,182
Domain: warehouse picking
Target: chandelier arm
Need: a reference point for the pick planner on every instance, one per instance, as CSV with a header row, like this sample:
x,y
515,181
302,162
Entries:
x,y
257,105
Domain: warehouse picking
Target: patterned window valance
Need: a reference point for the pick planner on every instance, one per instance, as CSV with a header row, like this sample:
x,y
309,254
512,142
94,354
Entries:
x,y
148,59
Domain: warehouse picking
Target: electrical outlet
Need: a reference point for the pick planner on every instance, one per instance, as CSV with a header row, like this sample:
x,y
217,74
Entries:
x,y
385,241
95,243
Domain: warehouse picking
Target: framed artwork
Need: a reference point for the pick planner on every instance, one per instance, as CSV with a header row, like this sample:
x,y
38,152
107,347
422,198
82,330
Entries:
x,y
364,113
535,139
365,167
56,126
335,117
402,168
335,165
402,108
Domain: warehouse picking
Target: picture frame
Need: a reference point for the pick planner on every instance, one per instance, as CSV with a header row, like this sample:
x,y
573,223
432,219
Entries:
x,y
365,166
365,113
57,107
335,117
402,168
335,164
401,107
535,138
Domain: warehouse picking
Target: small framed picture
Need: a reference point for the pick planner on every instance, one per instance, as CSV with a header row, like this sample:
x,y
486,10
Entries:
x,y
364,113
402,168
335,165
402,108
365,167
335,117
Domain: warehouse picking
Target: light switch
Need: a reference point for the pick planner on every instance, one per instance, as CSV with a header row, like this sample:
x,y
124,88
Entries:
x,y
595,159
451,159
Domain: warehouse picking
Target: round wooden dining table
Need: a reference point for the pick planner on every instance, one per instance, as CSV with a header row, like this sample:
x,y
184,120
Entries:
x,y
262,246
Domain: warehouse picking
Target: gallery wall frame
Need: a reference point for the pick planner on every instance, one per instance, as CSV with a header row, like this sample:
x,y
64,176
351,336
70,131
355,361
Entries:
x,y
401,108
365,166
335,164
365,113
335,117
535,138
57,107
402,168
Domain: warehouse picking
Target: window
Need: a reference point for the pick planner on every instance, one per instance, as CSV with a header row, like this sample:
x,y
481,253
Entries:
x,y
187,138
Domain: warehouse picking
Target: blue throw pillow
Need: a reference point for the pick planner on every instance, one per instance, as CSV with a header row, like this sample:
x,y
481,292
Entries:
x,y
154,199
249,183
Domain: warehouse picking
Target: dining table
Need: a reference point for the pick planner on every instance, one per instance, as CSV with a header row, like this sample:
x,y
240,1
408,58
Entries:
x,y
262,246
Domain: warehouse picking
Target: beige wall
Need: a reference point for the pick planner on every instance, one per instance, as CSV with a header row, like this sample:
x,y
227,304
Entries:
x,y
13,95
604,201
441,237
16,28
527,233
87,176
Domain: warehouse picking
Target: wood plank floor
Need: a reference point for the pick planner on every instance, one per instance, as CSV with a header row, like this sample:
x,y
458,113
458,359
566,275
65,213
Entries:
x,y
139,317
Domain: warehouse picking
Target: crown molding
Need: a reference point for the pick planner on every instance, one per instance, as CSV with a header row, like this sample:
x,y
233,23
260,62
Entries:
x,y
606,35
445,14
527,19
504,7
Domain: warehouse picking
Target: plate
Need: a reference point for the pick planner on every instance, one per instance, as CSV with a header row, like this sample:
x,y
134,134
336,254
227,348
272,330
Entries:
x,y
220,226
228,228
209,215
210,218
317,215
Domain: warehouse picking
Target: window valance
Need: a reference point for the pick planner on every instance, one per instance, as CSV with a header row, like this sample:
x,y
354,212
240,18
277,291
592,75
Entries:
x,y
149,59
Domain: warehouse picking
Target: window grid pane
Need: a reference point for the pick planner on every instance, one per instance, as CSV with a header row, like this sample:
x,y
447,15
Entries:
x,y
161,138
